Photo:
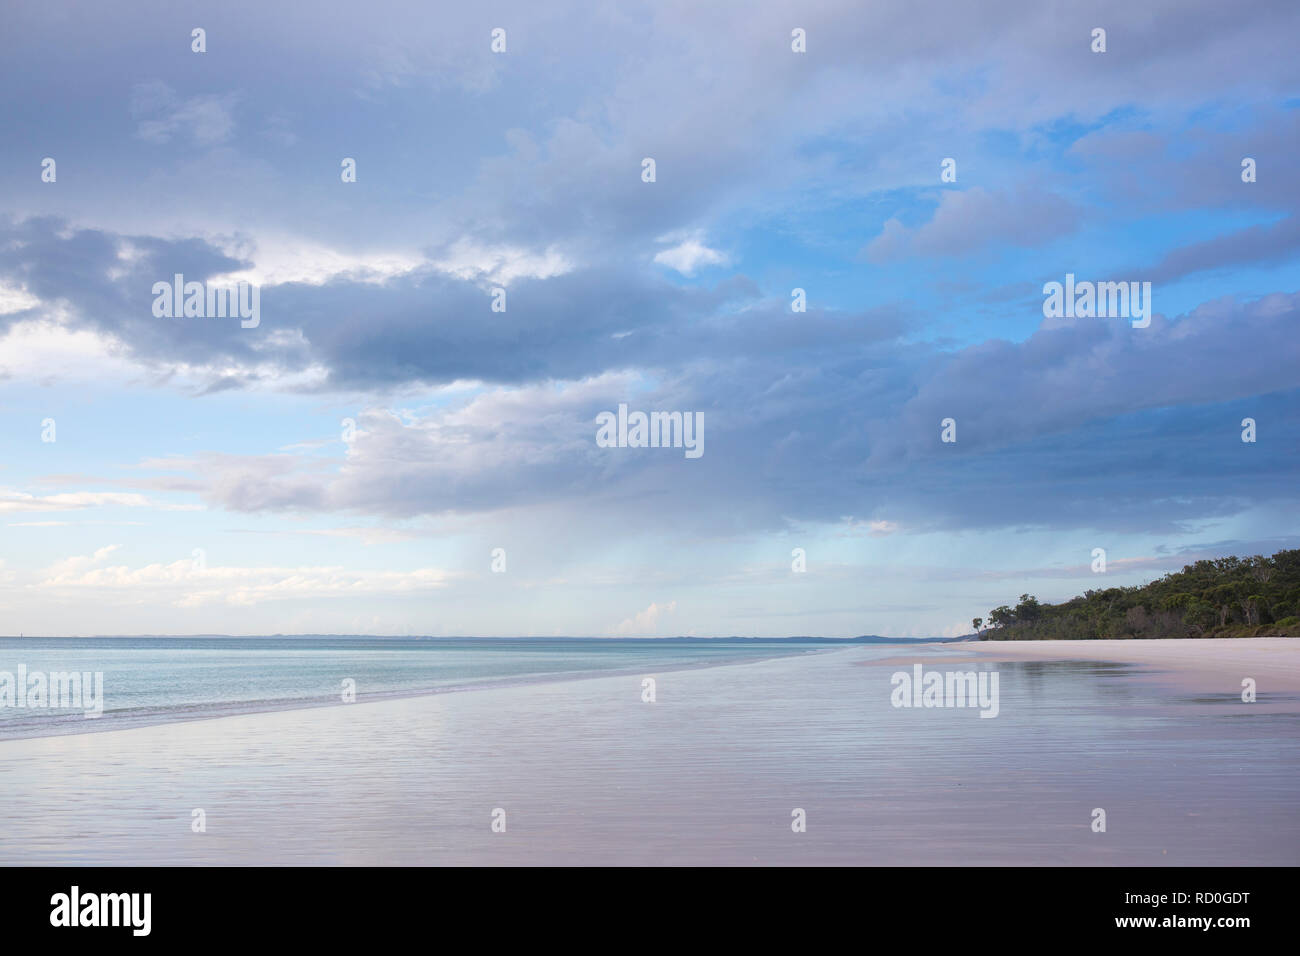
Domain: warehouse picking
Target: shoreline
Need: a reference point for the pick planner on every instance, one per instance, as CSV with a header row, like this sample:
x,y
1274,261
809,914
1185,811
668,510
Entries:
x,y
589,773
1209,664
114,722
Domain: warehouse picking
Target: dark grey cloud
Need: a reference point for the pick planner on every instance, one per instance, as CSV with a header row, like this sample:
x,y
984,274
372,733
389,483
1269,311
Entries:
x,y
107,281
967,220
1092,425
422,328
1275,243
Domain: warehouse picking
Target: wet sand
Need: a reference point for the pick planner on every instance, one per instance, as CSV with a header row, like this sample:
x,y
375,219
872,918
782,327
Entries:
x,y
1215,664
710,773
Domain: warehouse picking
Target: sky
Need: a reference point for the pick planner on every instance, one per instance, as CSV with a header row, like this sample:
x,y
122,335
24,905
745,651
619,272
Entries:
x,y
395,447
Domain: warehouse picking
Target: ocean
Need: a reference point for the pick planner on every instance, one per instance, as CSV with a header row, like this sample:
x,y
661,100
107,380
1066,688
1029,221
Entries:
x,y
150,680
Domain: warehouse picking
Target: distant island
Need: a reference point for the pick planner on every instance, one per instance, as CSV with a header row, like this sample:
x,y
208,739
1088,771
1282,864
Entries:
x,y
1224,597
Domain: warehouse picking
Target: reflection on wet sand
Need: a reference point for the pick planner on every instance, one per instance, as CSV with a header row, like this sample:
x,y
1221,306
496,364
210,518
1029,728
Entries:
x,y
709,773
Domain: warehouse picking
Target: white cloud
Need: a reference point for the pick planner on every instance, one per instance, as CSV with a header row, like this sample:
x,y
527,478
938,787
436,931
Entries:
x,y
689,255
79,564
647,621
185,583
876,528
466,259
279,259
49,349
46,349
12,501
15,299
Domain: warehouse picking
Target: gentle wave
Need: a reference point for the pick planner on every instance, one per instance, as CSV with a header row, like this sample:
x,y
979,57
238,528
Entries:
x,y
167,680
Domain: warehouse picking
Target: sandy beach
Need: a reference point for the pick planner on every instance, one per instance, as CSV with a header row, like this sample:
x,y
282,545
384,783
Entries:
x,y
1207,665
1215,665
588,773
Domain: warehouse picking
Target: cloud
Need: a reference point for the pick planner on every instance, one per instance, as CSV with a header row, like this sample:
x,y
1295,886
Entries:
x,y
51,349
78,564
689,255
349,332
1058,417
161,114
187,583
874,528
282,260
17,501
977,217
16,299
467,259
1255,246
647,621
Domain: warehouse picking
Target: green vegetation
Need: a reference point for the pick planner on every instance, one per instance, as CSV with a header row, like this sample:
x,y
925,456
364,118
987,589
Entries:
x,y
1226,597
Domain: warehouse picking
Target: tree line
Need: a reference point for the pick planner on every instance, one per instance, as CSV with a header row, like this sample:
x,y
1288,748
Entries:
x,y
1223,597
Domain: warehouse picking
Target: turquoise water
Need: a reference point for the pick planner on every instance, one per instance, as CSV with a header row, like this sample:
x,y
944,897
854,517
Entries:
x,y
155,680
